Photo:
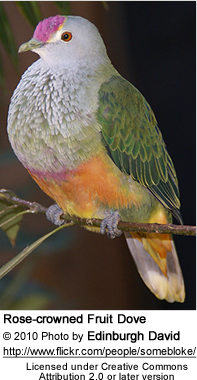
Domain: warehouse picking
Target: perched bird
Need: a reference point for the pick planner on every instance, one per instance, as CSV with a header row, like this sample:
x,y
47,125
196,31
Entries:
x,y
91,142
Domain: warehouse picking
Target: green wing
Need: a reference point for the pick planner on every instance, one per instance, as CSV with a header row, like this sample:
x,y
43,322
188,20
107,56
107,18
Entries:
x,y
134,141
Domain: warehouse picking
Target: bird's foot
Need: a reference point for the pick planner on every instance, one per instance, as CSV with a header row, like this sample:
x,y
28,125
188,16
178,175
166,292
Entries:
x,y
54,213
111,222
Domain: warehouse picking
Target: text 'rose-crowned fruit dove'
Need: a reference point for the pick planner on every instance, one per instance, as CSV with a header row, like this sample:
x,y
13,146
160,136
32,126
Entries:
x,y
91,142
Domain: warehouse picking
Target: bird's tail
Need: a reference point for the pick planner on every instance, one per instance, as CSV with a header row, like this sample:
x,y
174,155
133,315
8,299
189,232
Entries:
x,y
157,263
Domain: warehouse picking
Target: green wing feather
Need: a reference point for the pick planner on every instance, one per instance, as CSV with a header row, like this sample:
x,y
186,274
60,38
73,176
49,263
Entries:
x,y
134,141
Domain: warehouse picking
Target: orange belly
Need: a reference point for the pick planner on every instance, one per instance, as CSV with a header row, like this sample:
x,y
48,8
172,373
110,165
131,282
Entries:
x,y
82,191
98,185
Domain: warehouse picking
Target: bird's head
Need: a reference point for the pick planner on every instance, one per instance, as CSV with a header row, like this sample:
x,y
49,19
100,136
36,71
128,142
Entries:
x,y
65,40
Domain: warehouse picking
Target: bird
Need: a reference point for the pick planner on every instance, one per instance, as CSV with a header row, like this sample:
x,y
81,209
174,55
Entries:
x,y
91,141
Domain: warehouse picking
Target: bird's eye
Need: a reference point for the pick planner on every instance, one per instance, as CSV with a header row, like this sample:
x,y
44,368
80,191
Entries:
x,y
66,36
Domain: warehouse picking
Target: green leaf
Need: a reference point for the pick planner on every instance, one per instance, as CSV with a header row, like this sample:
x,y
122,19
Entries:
x,y
35,301
2,84
10,218
31,11
25,252
105,5
7,36
63,6
14,295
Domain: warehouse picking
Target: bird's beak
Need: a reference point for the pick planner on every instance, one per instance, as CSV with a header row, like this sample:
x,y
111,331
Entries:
x,y
30,45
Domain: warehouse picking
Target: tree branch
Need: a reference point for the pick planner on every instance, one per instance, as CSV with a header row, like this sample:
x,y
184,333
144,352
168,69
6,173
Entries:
x,y
35,208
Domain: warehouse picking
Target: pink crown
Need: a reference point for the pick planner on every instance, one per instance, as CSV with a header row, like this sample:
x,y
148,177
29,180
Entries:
x,y
47,27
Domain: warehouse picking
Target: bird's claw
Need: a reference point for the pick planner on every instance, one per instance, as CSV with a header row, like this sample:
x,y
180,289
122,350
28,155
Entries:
x,y
111,222
54,213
